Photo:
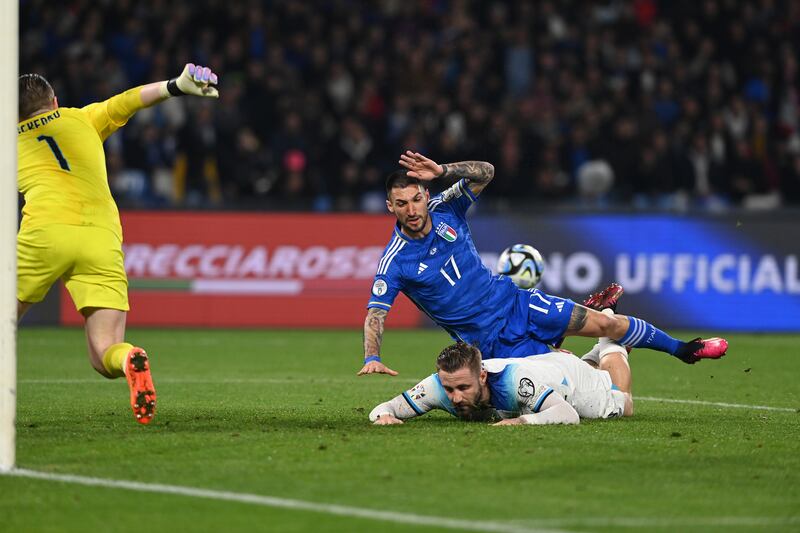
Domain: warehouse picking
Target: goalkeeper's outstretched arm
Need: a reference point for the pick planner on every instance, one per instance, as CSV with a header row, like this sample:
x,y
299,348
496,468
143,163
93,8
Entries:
x,y
110,115
195,80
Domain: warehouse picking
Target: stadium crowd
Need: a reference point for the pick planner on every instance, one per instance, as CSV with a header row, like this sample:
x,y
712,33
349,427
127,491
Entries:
x,y
647,104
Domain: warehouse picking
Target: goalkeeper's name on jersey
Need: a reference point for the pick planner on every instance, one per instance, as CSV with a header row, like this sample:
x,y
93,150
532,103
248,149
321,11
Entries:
x,y
41,121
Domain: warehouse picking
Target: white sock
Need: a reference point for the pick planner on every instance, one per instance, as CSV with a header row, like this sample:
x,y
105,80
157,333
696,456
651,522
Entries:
x,y
607,346
593,355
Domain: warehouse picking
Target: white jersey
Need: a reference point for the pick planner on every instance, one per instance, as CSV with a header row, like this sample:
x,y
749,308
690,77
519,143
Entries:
x,y
519,386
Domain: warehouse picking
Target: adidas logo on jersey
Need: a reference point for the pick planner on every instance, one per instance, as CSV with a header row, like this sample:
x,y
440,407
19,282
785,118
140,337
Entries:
x,y
559,306
421,269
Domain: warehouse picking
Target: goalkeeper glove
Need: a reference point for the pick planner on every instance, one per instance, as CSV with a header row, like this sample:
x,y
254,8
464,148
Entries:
x,y
195,80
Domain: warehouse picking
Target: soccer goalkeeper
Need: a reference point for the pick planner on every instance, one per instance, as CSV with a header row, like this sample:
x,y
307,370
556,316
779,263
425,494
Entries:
x,y
70,224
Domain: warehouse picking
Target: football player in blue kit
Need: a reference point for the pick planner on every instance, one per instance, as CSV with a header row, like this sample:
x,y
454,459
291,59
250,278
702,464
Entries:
x,y
432,259
551,388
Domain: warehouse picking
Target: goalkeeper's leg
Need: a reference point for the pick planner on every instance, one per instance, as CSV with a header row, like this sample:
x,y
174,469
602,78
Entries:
x,y
113,358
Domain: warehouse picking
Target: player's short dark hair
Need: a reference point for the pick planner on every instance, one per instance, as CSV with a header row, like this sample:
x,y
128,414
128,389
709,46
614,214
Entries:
x,y
399,180
457,356
35,93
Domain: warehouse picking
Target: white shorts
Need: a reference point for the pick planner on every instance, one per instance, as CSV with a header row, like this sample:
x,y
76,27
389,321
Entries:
x,y
594,395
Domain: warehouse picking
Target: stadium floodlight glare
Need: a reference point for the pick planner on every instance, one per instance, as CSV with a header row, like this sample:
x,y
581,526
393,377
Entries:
x,y
9,32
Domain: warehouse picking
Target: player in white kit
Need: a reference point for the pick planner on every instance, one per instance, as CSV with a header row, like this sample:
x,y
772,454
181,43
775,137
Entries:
x,y
554,388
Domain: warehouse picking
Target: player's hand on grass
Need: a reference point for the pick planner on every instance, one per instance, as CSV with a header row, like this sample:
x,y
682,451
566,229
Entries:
x,y
419,166
387,420
198,81
376,367
510,422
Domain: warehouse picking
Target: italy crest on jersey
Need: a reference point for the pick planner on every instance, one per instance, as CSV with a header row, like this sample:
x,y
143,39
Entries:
x,y
446,232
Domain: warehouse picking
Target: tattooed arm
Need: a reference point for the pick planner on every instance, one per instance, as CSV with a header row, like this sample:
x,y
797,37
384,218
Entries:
x,y
373,331
577,320
373,337
477,173
590,323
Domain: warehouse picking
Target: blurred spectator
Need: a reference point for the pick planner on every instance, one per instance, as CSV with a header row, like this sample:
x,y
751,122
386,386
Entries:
x,y
791,181
685,104
595,179
197,180
744,172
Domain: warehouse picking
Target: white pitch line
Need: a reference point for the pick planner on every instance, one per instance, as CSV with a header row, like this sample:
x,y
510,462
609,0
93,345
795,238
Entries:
x,y
718,404
284,503
256,381
667,522
413,519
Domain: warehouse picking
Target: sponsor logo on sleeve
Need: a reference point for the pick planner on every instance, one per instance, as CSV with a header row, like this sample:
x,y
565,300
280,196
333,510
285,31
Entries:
x,y
526,392
526,388
417,393
452,192
379,288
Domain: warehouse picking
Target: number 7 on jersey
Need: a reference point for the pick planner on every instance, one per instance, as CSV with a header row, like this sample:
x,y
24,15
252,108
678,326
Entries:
x,y
51,142
451,261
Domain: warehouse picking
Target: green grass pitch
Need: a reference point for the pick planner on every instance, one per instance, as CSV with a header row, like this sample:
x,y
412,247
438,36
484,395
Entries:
x,y
282,414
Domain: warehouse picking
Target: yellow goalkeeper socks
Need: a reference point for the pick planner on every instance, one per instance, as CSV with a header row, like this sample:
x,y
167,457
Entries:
x,y
114,358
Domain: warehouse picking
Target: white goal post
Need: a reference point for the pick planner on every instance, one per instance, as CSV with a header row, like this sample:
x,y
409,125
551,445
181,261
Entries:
x,y
9,67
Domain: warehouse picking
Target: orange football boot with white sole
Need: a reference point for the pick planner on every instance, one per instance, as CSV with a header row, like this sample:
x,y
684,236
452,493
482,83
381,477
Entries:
x,y
140,382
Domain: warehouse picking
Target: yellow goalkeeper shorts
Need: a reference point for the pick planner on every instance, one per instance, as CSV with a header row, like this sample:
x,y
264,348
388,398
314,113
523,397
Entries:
x,y
89,259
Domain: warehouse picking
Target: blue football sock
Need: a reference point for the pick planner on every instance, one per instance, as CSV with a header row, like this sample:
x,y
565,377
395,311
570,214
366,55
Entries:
x,y
642,334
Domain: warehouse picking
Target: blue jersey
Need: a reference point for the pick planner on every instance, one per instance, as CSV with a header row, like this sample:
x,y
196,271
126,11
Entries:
x,y
444,276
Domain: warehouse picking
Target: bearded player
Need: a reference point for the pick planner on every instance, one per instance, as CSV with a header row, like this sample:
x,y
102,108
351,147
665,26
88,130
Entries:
x,y
554,388
432,259
70,224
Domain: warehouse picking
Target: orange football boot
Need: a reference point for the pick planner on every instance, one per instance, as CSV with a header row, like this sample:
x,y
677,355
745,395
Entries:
x,y
140,382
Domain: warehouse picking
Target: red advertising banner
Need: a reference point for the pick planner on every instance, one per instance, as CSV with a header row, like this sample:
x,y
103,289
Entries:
x,y
252,270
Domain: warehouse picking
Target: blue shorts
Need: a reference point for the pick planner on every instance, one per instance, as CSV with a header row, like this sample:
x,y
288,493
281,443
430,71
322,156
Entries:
x,y
536,321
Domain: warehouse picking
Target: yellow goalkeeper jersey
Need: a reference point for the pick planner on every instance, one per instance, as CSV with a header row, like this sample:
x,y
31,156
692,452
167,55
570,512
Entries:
x,y
62,166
